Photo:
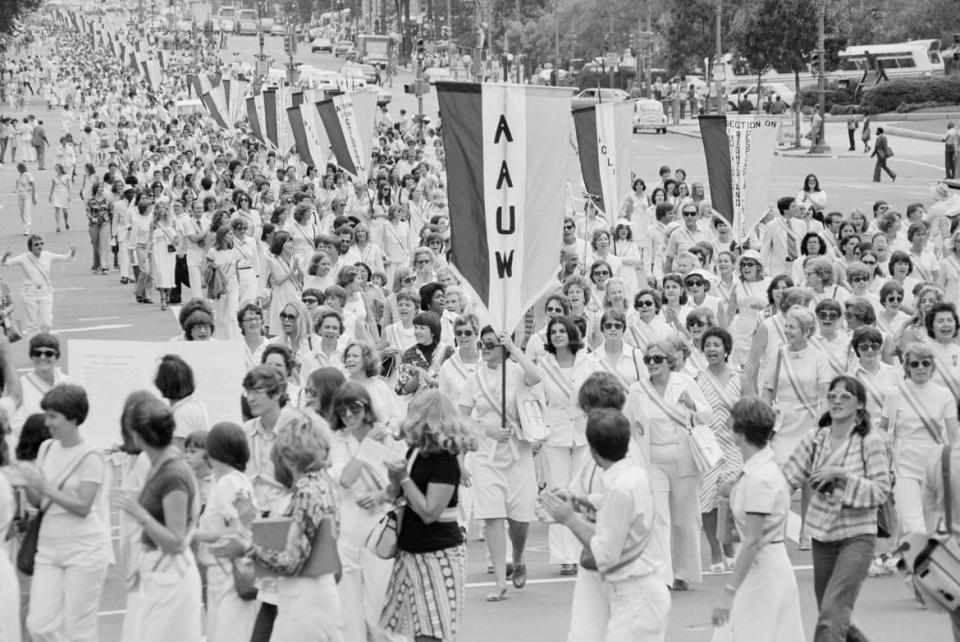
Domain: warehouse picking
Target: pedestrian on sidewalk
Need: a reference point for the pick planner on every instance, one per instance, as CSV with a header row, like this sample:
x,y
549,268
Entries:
x,y
851,130
26,190
950,150
882,151
865,134
40,143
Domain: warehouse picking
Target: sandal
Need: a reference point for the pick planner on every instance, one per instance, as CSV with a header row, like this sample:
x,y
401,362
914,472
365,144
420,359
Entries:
x,y
497,596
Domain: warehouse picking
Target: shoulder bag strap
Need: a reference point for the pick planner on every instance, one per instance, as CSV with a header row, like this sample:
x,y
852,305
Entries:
x,y
673,413
797,390
39,266
925,418
68,471
947,499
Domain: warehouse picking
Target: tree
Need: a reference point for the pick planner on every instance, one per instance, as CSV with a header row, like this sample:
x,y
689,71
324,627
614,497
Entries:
x,y
777,34
689,29
12,10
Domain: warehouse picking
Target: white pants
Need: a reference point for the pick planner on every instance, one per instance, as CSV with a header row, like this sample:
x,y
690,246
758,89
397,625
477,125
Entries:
x,y
308,610
169,605
25,202
196,277
561,464
676,524
229,618
10,604
37,310
590,611
123,259
65,594
363,591
908,497
639,610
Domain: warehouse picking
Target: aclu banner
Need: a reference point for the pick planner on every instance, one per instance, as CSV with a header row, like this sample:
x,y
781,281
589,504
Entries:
x,y
739,155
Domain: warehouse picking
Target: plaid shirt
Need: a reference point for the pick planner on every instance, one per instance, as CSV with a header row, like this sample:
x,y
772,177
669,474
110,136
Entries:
x,y
851,509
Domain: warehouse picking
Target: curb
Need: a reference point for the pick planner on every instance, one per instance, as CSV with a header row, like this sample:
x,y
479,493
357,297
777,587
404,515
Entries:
x,y
684,132
912,133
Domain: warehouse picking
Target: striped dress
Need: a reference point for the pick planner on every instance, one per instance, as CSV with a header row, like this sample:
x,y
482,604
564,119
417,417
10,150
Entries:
x,y
721,398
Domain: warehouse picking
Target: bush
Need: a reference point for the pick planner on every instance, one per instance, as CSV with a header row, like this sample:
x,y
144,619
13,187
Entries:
x,y
836,96
903,108
845,110
888,96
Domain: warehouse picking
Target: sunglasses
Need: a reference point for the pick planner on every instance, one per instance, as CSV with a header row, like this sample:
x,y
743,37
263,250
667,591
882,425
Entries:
x,y
612,326
555,310
348,409
859,279
656,358
408,279
748,264
489,345
695,283
839,397
286,316
50,354
644,303
922,363
689,214
697,323
894,299
463,333
828,315
601,273
868,346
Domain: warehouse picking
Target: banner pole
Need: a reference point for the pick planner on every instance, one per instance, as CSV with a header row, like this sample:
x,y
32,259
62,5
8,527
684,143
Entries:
x,y
503,386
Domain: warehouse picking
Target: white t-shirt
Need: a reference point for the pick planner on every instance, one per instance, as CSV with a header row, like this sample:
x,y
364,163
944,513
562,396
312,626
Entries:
x,y
54,460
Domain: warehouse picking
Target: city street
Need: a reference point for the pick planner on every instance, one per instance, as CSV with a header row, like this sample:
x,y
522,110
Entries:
x,y
98,307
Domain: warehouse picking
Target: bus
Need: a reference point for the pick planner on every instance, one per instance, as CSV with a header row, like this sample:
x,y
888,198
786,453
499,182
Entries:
x,y
911,59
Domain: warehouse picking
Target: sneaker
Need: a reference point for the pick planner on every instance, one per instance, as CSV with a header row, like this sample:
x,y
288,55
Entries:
x,y
719,567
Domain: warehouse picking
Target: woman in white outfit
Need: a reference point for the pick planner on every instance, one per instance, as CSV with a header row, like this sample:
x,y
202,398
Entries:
x,y
363,587
9,584
224,259
564,367
73,550
921,416
308,603
762,573
168,604
748,298
662,408
229,616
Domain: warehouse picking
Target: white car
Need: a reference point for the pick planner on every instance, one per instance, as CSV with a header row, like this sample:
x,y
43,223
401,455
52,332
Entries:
x,y
321,44
769,92
433,74
592,96
278,29
648,116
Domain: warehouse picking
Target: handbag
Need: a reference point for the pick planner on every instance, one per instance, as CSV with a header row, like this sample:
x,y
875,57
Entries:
x,y
384,538
26,556
171,248
704,447
886,512
213,280
533,427
244,578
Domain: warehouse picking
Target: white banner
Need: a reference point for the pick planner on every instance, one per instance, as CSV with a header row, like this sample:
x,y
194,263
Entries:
x,y
614,137
111,370
752,140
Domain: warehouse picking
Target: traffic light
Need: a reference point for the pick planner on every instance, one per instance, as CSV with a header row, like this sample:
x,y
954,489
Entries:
x,y
290,44
445,32
208,28
421,52
831,50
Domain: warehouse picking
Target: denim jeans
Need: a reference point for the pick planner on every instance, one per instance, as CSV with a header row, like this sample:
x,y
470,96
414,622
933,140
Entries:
x,y
839,569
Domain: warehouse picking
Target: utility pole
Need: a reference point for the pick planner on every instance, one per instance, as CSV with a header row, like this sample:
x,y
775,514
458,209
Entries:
x,y
261,71
718,66
420,55
820,146
648,51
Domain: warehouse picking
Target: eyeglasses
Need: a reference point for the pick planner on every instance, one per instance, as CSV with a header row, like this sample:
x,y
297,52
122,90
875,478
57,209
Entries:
x,y
859,279
601,273
351,408
894,299
839,397
868,346
489,345
695,283
310,300
286,316
463,333
422,262
555,310
612,325
408,279
41,352
922,363
748,264
644,303
689,214
654,359
828,315
696,323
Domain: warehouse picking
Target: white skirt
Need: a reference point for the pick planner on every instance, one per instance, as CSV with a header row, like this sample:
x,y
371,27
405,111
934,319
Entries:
x,y
169,606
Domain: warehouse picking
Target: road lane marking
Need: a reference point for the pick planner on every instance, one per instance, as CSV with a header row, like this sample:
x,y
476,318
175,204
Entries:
x,y
97,318
91,328
663,147
916,162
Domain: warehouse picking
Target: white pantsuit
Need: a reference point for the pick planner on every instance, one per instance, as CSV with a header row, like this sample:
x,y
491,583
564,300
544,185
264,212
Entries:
x,y
561,464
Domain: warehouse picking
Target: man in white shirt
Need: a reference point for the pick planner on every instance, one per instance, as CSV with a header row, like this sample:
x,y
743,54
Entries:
x,y
639,600
37,289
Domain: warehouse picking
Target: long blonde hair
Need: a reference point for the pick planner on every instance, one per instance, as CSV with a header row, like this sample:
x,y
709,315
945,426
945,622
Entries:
x,y
434,425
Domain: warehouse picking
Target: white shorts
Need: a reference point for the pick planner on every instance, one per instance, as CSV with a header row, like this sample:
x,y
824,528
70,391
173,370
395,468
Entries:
x,y
504,492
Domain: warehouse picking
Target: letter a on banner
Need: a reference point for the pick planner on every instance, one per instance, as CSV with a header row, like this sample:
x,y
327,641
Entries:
x,y
739,154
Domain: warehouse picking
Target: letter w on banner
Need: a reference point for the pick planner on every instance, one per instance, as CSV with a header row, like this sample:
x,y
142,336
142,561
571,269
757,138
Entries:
x,y
604,133
739,153
506,149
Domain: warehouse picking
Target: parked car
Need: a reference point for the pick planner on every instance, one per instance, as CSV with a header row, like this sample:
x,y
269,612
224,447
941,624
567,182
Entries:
x,y
433,74
247,23
343,48
321,44
648,116
593,95
278,29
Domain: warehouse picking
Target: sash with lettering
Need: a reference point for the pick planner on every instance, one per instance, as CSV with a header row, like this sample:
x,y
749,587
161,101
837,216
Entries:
x,y
783,360
949,379
604,135
506,158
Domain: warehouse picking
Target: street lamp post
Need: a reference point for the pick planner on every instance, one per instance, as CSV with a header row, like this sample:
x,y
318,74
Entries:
x,y
820,146
718,64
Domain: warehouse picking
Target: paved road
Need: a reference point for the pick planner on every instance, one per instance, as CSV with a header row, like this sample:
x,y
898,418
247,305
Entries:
x,y
98,307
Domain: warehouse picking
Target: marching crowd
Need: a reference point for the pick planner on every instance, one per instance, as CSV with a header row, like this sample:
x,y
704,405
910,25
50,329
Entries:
x,y
674,389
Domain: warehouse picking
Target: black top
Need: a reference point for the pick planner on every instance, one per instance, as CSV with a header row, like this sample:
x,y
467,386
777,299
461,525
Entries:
x,y
415,536
173,475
